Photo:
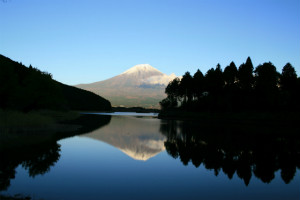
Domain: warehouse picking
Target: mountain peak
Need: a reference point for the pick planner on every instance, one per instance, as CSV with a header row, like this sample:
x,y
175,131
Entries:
x,y
141,68
141,85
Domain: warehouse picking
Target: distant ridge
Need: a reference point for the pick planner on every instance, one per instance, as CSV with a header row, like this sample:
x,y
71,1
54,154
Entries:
x,y
142,85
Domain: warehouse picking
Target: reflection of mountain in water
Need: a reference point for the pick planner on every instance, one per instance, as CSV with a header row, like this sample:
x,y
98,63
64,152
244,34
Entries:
x,y
139,138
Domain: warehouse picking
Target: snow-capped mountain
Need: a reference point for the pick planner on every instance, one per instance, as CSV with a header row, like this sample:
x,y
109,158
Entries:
x,y
141,85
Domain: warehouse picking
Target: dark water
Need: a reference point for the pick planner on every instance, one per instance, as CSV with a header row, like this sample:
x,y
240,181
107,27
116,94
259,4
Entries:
x,y
141,157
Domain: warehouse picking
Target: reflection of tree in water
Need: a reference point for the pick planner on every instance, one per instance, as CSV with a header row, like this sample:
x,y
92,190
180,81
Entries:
x,y
36,159
234,150
40,163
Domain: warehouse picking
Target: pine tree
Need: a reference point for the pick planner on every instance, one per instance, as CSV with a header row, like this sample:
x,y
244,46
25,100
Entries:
x,y
245,75
230,74
198,84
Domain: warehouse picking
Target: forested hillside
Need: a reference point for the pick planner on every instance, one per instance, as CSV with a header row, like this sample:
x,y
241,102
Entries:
x,y
236,89
27,88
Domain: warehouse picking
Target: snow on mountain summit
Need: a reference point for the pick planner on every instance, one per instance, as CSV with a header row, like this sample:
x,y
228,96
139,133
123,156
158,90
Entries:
x,y
141,68
146,74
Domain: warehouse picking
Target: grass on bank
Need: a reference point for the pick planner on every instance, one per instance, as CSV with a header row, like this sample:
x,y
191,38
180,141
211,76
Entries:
x,y
21,129
14,119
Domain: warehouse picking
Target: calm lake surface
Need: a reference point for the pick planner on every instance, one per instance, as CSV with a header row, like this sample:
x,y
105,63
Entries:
x,y
137,156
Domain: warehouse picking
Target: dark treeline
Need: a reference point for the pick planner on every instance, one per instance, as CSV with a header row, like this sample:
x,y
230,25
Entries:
x,y
236,89
241,149
27,88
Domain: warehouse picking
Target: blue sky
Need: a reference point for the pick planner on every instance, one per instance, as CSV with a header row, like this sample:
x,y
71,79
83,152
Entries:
x,y
88,41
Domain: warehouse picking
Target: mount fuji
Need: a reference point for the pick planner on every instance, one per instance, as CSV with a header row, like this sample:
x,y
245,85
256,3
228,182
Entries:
x,y
139,138
141,85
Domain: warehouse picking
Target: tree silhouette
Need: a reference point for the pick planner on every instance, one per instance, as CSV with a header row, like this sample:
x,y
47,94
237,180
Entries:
x,y
172,90
198,84
289,86
266,77
186,87
288,79
245,75
266,80
219,78
210,80
230,74
214,80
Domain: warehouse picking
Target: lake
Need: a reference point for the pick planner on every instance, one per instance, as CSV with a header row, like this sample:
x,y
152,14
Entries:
x,y
137,156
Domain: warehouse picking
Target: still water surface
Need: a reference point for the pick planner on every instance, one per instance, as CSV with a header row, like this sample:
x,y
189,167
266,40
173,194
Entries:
x,y
141,157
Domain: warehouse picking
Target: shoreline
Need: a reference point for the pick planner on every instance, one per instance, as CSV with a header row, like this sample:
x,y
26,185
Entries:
x,y
280,116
